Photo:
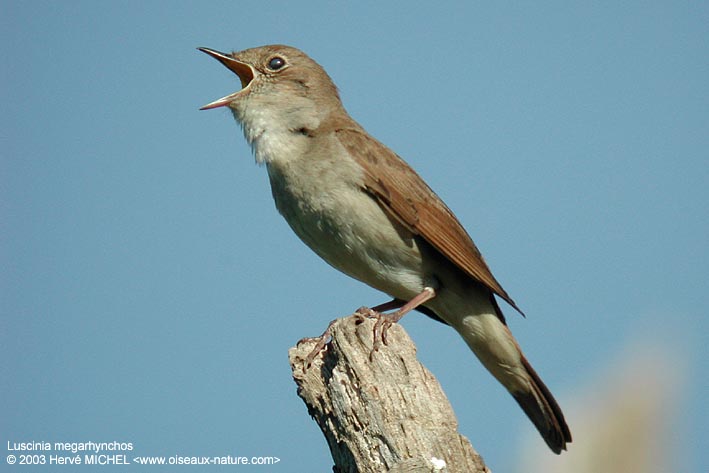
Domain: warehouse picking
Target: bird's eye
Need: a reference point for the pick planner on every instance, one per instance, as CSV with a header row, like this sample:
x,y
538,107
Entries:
x,y
276,63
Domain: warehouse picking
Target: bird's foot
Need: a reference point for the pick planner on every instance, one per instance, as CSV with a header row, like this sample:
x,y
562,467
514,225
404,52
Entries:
x,y
387,319
381,327
320,345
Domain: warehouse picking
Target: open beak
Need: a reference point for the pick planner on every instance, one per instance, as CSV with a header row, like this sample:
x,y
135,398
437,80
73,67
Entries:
x,y
241,69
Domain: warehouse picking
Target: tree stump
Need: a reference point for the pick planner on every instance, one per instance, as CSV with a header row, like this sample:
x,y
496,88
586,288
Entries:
x,y
387,413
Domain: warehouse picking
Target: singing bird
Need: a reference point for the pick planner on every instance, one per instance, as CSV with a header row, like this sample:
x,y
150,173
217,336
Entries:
x,y
367,213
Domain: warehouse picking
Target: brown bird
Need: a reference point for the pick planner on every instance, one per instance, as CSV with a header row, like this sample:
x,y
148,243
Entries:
x,y
362,209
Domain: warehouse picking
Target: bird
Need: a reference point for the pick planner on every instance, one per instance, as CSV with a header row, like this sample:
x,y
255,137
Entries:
x,y
367,213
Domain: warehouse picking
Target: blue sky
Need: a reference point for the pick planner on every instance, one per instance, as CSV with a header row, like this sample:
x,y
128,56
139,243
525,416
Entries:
x,y
150,290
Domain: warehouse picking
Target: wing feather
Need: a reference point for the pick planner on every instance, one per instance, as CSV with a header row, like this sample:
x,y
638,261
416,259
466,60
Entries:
x,y
411,201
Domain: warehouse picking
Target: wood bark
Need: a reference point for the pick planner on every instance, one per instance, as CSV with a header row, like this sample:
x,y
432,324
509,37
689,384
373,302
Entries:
x,y
387,413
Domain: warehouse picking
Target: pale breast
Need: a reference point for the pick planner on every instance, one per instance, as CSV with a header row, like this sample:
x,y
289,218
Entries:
x,y
322,202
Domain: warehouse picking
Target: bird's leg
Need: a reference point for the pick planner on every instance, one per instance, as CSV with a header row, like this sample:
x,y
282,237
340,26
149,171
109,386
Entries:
x,y
385,320
375,311
322,341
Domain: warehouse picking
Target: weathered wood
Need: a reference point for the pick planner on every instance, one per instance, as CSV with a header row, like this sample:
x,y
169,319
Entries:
x,y
384,414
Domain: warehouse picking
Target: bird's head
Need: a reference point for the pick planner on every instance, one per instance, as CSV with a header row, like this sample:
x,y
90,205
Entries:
x,y
275,76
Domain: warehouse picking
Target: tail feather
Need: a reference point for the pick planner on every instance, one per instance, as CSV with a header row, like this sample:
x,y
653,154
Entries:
x,y
544,412
487,334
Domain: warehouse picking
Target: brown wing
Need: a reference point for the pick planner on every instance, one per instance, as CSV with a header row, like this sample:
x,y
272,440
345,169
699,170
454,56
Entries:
x,y
391,181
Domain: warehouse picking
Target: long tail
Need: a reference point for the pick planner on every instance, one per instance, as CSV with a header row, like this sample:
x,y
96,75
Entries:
x,y
543,410
490,339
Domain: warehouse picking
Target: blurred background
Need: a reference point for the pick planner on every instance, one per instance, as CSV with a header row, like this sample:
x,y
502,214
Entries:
x,y
149,290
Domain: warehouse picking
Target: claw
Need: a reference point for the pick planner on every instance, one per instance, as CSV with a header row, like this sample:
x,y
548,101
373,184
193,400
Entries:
x,y
386,320
381,327
319,347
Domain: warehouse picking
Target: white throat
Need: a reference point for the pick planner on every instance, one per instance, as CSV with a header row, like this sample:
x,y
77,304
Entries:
x,y
274,131
266,135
